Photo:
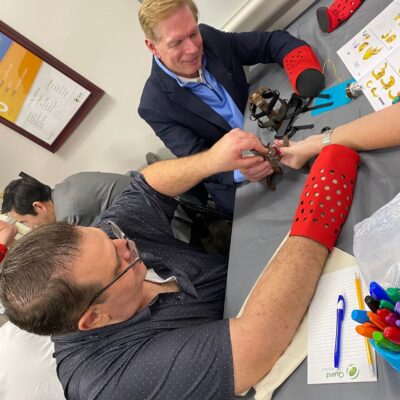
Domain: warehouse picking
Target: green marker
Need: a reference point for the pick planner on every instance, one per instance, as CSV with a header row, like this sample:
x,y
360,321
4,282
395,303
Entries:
x,y
384,343
393,293
396,100
386,304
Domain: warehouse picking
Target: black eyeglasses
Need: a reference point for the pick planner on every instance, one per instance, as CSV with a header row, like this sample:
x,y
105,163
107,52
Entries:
x,y
119,234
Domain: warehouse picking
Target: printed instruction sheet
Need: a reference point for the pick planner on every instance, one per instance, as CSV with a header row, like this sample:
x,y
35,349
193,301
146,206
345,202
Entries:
x,y
373,57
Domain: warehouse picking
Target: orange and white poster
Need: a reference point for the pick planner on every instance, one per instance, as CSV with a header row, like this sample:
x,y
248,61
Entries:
x,y
34,95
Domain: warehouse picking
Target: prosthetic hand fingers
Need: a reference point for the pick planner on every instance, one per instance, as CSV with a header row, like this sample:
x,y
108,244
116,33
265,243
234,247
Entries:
x,y
278,143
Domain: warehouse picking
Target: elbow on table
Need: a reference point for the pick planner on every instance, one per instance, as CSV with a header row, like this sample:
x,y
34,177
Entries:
x,y
253,354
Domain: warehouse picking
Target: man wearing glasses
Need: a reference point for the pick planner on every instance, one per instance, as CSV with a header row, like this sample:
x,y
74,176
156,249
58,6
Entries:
x,y
137,314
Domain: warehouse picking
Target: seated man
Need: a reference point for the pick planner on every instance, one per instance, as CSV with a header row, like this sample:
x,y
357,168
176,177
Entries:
x,y
135,313
77,200
197,90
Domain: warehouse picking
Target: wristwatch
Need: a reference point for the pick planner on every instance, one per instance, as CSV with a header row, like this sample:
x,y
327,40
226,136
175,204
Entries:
x,y
326,139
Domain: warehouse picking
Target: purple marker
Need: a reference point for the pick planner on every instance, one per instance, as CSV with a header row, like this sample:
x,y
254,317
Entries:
x,y
391,318
397,307
398,323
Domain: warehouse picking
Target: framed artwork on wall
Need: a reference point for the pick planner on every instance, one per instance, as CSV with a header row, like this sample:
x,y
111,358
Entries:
x,y
40,97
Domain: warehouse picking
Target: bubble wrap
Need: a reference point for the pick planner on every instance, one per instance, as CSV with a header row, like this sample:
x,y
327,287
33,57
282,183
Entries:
x,y
377,245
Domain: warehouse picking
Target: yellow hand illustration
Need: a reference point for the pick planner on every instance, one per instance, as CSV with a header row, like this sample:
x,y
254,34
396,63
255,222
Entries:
x,y
381,73
369,83
373,91
387,85
393,96
391,38
371,51
362,46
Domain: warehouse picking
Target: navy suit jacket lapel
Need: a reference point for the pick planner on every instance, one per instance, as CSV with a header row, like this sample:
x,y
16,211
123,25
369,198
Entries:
x,y
187,100
223,76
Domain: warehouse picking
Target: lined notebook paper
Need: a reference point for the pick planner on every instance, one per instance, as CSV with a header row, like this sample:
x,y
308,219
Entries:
x,y
353,365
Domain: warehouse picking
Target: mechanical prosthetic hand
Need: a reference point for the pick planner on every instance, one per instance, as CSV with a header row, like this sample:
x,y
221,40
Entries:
x,y
273,113
304,71
327,195
306,77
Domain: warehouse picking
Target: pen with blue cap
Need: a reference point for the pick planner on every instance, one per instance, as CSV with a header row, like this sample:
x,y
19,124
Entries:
x,y
340,309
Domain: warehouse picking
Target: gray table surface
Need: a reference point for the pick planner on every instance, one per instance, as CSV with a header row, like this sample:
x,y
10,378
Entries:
x,y
262,218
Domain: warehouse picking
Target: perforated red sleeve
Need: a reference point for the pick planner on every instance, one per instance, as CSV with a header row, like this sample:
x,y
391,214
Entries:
x,y
327,195
329,18
304,71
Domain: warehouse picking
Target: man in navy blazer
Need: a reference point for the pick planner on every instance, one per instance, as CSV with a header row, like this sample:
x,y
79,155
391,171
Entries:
x,y
197,90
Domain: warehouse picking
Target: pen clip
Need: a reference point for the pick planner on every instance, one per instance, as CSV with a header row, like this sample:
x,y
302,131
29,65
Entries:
x,y
341,305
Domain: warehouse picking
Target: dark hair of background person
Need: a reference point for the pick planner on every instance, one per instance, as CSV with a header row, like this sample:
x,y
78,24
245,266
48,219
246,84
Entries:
x,y
35,290
20,194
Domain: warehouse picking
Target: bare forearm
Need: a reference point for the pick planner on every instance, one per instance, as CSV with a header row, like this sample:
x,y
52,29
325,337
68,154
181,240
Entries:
x,y
278,303
173,177
377,130
380,129
281,297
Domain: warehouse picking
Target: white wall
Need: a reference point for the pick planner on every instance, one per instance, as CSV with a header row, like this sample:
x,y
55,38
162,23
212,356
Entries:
x,y
102,40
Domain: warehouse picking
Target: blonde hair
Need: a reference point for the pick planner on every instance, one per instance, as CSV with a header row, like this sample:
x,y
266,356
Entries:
x,y
153,11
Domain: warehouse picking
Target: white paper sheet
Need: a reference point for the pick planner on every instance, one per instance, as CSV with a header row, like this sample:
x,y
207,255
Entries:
x,y
373,57
353,365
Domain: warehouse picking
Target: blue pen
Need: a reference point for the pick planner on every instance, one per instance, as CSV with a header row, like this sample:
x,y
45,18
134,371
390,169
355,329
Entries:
x,y
340,309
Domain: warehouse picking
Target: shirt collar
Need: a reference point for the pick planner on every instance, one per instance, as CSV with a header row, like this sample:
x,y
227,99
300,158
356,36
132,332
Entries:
x,y
180,79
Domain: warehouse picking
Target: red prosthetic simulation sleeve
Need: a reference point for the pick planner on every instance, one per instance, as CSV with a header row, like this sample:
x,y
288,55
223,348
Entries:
x,y
327,195
329,18
3,251
304,71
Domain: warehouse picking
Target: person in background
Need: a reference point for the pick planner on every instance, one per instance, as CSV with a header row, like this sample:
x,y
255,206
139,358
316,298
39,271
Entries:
x,y
147,322
197,90
77,200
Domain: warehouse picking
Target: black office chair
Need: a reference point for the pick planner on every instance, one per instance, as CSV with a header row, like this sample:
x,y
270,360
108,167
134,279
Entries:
x,y
210,228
